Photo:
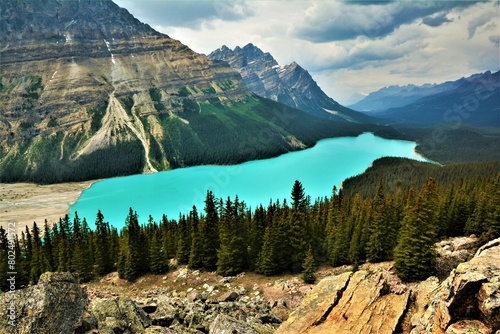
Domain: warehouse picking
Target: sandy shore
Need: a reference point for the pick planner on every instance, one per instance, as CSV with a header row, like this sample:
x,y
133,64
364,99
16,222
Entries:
x,y
25,203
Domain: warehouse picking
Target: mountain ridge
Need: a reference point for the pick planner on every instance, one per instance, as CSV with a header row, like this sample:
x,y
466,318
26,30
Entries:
x,y
82,98
289,84
398,96
472,101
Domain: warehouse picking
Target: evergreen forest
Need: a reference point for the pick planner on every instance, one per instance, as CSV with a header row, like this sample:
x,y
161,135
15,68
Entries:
x,y
393,220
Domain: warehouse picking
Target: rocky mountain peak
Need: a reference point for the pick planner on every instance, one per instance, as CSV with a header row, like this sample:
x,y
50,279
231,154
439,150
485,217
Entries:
x,y
289,84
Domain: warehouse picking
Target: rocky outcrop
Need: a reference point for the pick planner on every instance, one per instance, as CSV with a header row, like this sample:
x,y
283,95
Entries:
x,y
357,302
55,305
289,84
470,295
452,252
371,300
468,301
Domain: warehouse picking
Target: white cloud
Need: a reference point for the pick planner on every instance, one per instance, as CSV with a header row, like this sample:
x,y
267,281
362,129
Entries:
x,y
359,47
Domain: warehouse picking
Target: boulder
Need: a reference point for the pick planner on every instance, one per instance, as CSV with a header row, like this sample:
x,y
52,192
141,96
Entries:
x,y
55,305
468,327
224,324
125,312
358,302
468,296
229,296
452,252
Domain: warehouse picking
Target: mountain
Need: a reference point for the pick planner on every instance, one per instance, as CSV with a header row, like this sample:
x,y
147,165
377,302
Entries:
x,y
473,101
87,91
399,96
288,84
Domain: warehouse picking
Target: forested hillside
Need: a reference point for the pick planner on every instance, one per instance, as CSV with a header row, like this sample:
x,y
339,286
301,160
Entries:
x,y
401,223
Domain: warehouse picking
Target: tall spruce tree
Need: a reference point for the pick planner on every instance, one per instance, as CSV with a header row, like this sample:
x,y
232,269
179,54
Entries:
x,y
210,233
232,254
308,275
183,241
196,250
415,253
158,262
102,246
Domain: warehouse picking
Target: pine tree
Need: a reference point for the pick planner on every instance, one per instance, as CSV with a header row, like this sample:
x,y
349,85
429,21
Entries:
x,y
308,275
36,255
274,257
131,260
196,250
298,196
298,234
48,249
102,246
378,248
183,241
232,254
256,236
158,262
81,261
210,233
22,264
63,246
492,221
415,254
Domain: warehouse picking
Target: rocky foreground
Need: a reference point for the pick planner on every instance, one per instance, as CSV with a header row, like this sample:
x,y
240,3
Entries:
x,y
366,301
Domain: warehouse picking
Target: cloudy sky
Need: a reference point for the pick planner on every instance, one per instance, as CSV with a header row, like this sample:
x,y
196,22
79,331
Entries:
x,y
349,47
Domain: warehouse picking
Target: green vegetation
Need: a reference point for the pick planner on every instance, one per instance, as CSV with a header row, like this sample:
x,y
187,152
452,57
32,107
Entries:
x,y
34,88
400,173
225,85
155,95
455,143
97,115
127,103
230,238
54,162
52,122
183,92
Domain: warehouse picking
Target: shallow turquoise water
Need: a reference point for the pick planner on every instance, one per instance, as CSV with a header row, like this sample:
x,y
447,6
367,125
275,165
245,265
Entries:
x,y
319,168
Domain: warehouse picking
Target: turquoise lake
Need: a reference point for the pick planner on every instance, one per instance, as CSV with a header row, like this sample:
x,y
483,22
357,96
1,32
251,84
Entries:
x,y
319,168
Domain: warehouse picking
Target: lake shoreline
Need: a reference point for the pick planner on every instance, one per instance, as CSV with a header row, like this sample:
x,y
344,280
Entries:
x,y
24,203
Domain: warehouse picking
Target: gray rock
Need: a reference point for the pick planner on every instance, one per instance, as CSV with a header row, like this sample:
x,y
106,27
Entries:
x,y
228,279
227,325
55,305
229,296
122,309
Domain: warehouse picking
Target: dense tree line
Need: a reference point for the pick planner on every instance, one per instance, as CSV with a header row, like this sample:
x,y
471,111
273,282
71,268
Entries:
x,y
285,236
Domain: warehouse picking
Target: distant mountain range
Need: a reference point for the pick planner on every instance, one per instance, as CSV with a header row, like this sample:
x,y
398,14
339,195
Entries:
x,y
288,84
474,101
87,91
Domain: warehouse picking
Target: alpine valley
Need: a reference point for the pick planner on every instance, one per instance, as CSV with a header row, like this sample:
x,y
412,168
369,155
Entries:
x,y
87,91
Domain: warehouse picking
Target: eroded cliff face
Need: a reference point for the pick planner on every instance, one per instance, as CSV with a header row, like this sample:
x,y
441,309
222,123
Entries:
x,y
467,301
87,91
90,68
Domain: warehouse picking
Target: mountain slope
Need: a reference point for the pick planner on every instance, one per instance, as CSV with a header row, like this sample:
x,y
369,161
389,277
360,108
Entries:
x,y
289,84
87,91
473,101
398,96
